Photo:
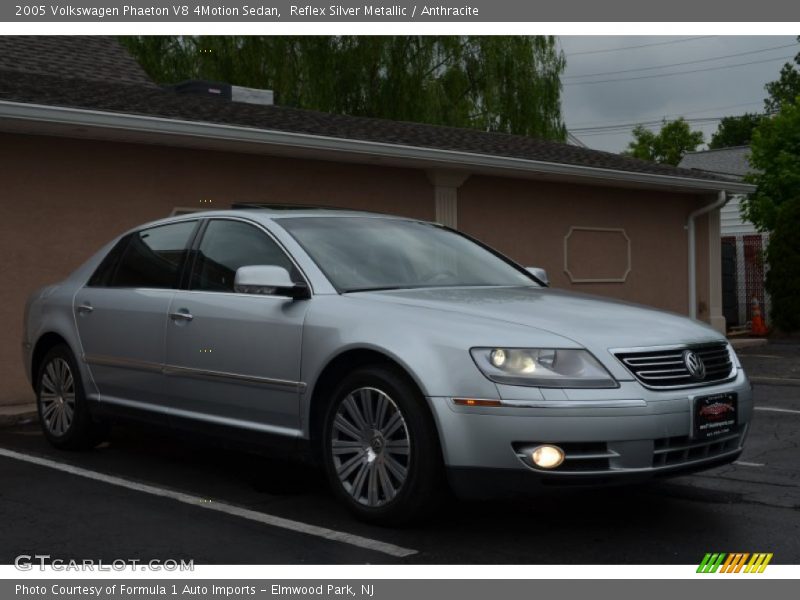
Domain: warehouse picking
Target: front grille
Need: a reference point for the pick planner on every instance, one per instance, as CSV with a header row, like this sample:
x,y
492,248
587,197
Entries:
x,y
683,449
667,368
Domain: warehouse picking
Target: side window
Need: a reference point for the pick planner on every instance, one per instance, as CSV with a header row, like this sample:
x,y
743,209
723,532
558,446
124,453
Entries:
x,y
228,245
153,257
105,271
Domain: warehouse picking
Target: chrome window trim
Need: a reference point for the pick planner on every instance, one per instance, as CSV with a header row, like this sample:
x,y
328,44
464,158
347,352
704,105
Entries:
x,y
184,218
173,290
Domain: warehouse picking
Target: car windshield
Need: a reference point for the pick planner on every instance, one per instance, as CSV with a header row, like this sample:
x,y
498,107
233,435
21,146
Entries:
x,y
373,253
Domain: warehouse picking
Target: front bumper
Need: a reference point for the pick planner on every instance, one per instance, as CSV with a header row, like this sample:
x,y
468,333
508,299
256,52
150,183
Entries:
x,y
624,434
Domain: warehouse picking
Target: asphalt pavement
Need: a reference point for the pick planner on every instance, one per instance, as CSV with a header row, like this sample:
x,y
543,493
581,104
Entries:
x,y
146,495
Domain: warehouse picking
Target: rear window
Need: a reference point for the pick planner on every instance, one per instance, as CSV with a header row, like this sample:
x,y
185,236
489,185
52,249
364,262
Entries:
x,y
152,258
103,274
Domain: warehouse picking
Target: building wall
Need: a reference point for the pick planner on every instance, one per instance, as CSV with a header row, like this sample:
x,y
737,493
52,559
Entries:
x,y
538,216
731,218
62,199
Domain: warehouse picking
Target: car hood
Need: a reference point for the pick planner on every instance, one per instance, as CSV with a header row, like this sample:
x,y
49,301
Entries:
x,y
594,322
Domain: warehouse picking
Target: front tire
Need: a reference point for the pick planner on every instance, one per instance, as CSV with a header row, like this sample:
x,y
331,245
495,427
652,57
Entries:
x,y
380,447
61,403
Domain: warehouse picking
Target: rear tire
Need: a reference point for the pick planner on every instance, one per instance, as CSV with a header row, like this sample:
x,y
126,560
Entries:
x,y
380,448
61,403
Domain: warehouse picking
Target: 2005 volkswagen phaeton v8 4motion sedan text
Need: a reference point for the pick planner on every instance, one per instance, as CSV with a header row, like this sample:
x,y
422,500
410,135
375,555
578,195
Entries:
x,y
400,354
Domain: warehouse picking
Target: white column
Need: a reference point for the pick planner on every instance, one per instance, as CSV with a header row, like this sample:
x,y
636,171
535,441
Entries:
x,y
741,279
716,318
445,194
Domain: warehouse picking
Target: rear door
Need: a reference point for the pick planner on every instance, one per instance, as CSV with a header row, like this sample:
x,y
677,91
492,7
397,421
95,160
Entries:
x,y
232,358
122,312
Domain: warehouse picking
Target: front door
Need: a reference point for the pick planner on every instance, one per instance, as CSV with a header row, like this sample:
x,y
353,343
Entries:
x,y
234,359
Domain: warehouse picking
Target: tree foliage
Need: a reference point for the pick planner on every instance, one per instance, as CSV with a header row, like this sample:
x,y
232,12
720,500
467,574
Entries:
x,y
787,87
783,277
668,145
775,159
775,205
494,83
735,131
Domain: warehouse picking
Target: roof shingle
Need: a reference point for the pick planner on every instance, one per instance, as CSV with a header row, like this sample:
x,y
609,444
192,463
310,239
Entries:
x,y
92,58
723,161
113,84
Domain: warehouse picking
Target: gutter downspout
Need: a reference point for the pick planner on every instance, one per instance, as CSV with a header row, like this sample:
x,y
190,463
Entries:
x,y
722,200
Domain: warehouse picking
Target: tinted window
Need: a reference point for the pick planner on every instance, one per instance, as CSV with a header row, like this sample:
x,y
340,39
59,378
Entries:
x,y
153,257
360,253
228,245
105,271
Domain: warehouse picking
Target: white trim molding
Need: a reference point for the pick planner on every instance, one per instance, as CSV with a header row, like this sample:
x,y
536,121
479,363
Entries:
x,y
445,194
574,279
57,120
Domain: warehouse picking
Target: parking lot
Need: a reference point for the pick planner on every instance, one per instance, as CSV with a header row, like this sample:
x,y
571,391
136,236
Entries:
x,y
145,495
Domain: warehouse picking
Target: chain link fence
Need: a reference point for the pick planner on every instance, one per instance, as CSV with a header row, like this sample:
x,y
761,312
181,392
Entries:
x,y
743,271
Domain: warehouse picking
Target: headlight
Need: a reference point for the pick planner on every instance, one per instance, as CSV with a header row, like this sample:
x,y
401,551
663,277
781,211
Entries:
x,y
542,367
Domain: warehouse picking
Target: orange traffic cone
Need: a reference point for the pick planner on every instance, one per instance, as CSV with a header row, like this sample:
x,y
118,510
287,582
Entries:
x,y
757,326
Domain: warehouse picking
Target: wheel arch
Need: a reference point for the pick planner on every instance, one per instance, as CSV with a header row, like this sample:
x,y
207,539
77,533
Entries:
x,y
336,369
42,346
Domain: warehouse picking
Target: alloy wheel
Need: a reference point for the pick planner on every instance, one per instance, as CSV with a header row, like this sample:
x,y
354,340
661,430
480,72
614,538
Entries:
x,y
57,397
370,446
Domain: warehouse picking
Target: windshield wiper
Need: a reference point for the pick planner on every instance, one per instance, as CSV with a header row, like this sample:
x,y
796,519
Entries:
x,y
377,289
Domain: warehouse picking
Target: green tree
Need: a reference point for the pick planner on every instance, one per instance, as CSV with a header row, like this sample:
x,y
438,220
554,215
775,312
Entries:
x,y
735,131
775,159
783,277
668,145
775,207
787,87
495,83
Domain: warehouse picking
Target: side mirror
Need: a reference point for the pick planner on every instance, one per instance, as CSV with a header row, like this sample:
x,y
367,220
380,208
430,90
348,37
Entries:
x,y
269,281
539,273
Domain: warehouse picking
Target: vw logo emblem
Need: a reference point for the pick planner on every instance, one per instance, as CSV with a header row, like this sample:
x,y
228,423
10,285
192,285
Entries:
x,y
694,364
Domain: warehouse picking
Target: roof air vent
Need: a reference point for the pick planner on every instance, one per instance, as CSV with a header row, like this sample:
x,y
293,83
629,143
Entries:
x,y
236,93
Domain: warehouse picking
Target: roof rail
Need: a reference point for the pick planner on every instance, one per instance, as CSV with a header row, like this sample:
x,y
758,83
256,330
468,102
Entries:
x,y
285,206
280,206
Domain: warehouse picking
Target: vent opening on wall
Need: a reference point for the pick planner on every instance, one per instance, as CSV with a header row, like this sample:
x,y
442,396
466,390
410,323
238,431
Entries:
x,y
226,91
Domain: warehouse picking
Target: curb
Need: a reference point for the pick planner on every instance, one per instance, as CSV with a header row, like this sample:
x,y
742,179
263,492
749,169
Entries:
x,y
785,381
739,343
16,414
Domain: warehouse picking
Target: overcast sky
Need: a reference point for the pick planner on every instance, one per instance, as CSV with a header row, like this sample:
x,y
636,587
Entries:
x,y
703,94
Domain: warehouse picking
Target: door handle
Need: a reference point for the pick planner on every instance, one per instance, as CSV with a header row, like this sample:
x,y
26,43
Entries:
x,y
181,315
85,308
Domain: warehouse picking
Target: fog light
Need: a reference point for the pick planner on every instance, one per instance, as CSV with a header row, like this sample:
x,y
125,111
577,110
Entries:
x,y
547,457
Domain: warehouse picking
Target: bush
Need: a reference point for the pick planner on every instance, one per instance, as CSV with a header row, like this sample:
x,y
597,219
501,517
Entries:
x,y
783,277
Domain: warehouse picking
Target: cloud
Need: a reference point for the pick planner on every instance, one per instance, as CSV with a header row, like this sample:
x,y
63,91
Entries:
x,y
710,93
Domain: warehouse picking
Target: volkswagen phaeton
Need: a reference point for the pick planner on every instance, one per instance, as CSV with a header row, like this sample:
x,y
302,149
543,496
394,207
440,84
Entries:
x,y
404,356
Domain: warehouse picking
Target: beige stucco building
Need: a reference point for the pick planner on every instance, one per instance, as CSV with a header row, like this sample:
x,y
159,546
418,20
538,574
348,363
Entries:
x,y
89,147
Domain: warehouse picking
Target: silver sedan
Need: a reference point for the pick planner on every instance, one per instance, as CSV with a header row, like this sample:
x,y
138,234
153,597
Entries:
x,y
401,355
